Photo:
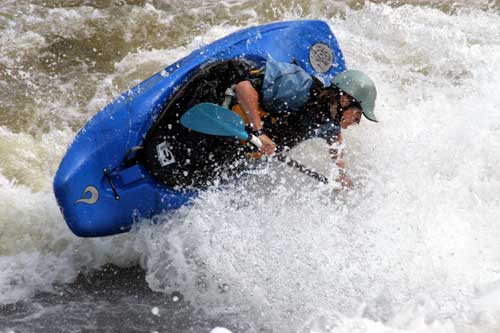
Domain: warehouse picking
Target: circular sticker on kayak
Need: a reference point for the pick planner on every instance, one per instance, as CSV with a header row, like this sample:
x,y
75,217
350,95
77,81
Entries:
x,y
321,57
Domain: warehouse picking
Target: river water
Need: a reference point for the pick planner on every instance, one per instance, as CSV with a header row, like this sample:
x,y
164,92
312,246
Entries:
x,y
415,248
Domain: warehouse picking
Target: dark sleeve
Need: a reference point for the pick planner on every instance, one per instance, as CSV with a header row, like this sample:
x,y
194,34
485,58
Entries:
x,y
326,131
246,70
316,88
317,107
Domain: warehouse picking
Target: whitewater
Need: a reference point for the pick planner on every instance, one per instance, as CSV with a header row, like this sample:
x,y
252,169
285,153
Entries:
x,y
415,247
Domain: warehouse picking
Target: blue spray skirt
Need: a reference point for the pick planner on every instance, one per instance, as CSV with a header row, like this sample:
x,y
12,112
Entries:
x,y
100,194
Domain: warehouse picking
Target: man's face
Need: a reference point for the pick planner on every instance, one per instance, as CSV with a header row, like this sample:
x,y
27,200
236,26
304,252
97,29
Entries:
x,y
345,101
352,115
352,112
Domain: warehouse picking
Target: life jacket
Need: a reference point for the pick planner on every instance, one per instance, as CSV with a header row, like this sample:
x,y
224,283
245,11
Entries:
x,y
285,87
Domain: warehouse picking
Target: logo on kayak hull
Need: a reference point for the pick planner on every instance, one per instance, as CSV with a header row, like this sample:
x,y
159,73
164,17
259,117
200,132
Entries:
x,y
165,156
89,196
321,57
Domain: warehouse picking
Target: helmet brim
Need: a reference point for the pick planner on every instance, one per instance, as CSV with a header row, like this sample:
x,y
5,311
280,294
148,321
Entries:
x,y
368,111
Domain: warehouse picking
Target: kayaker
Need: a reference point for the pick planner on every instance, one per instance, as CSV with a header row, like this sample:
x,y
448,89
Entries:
x,y
298,106
282,104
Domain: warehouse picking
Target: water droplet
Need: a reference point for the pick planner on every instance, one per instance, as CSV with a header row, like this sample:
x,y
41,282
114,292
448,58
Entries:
x,y
220,330
155,311
176,296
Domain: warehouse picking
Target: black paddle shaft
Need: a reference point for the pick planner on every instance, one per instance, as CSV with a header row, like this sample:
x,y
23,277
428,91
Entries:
x,y
301,167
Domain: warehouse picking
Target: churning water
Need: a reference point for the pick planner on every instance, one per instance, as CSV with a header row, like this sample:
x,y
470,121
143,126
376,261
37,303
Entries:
x,y
415,248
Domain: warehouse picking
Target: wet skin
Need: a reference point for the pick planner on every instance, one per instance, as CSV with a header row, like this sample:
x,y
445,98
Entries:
x,y
352,114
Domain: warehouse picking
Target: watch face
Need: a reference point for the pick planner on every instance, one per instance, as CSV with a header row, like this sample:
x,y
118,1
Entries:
x,y
321,57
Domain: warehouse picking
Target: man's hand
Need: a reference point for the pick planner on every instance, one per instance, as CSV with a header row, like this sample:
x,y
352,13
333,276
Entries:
x,y
340,164
345,181
268,146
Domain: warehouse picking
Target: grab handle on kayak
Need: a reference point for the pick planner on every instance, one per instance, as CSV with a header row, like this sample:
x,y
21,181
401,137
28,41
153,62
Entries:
x,y
132,156
110,181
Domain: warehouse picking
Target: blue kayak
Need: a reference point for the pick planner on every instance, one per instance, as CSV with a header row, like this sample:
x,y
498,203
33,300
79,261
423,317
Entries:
x,y
122,164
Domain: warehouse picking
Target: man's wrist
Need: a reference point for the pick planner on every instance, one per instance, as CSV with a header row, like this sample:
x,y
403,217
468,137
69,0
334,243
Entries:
x,y
258,132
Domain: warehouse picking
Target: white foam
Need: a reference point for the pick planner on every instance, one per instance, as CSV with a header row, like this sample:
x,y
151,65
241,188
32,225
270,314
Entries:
x,y
220,330
415,238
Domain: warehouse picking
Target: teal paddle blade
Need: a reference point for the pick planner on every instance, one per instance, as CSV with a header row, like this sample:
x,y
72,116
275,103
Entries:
x,y
213,119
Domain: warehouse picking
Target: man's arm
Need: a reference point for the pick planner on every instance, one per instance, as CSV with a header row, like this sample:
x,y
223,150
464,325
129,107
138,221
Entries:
x,y
337,154
248,99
